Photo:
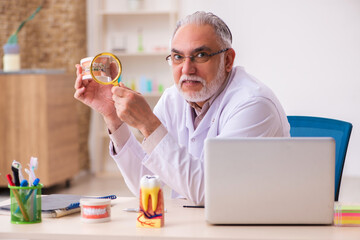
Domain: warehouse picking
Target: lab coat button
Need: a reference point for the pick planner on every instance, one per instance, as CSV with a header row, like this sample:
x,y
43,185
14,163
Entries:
x,y
193,139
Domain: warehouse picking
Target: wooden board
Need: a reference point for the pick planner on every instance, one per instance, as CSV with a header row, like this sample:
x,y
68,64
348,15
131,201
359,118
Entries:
x,y
38,118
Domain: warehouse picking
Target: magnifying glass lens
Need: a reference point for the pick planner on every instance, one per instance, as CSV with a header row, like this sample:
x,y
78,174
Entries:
x,y
101,69
105,68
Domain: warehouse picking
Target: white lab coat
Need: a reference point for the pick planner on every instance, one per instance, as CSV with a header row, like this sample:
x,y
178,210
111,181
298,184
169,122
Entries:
x,y
245,108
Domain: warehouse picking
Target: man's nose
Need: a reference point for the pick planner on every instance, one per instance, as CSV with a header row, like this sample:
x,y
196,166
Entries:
x,y
188,67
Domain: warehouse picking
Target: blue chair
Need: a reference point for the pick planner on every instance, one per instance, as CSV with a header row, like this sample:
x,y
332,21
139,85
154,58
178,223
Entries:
x,y
306,126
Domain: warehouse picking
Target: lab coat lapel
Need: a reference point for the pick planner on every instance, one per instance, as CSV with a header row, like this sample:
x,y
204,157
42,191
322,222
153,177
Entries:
x,y
189,119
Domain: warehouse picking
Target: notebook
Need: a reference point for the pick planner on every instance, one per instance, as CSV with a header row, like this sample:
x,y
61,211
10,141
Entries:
x,y
269,180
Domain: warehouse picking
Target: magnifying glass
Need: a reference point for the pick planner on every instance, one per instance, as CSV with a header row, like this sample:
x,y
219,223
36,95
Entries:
x,y
105,68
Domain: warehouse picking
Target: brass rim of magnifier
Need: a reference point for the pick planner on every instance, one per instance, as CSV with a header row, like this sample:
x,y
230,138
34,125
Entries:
x,y
118,62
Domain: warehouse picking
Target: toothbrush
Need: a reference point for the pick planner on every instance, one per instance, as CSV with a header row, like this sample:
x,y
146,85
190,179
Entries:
x,y
33,166
31,177
15,171
17,165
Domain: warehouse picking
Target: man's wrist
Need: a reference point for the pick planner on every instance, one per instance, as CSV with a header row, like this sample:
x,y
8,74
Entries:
x,y
112,123
119,138
150,127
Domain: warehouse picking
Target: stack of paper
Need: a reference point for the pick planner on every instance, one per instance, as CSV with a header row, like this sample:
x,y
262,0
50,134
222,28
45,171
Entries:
x,y
347,215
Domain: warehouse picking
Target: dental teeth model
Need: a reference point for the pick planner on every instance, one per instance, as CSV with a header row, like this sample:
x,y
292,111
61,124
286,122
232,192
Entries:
x,y
151,214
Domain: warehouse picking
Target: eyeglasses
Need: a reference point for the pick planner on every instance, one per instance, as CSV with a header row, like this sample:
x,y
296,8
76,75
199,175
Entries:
x,y
200,57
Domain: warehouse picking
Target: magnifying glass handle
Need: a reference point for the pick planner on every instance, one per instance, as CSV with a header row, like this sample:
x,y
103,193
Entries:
x,y
117,83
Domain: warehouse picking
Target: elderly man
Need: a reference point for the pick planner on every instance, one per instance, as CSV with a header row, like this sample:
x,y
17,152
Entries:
x,y
210,98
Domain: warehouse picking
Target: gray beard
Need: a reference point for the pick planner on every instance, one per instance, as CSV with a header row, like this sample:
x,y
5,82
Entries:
x,y
208,90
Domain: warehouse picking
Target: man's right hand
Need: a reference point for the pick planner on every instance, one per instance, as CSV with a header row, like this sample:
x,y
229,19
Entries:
x,y
98,97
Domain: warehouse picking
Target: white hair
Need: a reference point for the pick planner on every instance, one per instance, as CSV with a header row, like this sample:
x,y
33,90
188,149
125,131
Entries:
x,y
203,18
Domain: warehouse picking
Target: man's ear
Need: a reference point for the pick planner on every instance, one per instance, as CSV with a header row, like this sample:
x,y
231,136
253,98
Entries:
x,y
229,59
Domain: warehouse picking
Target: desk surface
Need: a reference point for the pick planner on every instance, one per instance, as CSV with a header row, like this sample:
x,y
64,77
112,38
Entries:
x,y
180,223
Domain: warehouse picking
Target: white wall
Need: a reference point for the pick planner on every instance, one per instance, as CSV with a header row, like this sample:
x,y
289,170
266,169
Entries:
x,y
307,51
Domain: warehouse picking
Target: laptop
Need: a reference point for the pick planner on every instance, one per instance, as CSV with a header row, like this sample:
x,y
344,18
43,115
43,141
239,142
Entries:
x,y
269,180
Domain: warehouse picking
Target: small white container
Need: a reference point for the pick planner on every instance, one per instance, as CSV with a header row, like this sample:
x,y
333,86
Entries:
x,y
85,64
11,59
95,210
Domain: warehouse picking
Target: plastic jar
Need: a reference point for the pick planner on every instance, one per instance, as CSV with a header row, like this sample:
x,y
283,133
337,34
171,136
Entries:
x,y
95,210
11,59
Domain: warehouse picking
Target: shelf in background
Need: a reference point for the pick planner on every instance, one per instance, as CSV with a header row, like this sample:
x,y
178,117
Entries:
x,y
138,12
123,27
152,95
141,54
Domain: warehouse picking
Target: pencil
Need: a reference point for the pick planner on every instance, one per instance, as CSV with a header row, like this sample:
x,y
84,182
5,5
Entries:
x,y
21,206
17,197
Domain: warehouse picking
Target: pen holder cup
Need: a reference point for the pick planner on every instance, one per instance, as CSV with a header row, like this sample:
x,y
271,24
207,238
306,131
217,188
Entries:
x,y
25,204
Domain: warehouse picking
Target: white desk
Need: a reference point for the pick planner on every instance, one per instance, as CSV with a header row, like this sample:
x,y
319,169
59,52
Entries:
x,y
180,223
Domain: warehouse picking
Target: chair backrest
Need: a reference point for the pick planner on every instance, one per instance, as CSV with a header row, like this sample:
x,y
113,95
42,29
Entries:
x,y
307,126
